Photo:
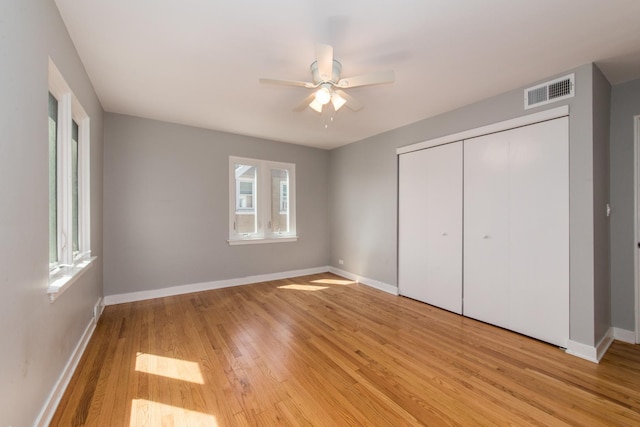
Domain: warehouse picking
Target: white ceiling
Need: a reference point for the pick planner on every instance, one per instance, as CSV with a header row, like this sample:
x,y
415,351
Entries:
x,y
197,62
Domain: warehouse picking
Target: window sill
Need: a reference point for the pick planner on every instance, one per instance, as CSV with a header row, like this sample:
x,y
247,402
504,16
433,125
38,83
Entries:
x,y
61,279
257,241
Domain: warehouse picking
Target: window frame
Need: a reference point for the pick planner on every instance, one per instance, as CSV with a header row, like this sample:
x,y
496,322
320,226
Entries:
x,y
70,264
262,202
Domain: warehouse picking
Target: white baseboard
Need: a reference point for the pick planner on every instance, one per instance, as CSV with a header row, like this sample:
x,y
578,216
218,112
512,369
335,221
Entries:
x,y
624,335
591,353
98,308
604,344
52,402
582,351
207,286
366,281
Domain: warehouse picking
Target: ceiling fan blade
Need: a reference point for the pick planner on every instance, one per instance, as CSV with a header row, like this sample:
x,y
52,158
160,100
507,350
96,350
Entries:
x,y
304,104
375,78
324,56
352,103
308,85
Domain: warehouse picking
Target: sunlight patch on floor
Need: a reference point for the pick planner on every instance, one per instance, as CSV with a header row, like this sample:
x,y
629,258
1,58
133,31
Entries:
x,y
334,282
299,287
148,413
176,369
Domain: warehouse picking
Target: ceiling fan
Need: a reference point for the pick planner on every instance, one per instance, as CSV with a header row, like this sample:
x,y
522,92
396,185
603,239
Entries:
x,y
325,72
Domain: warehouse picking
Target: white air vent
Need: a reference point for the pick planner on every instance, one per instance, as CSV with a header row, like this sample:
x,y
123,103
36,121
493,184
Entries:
x,y
548,92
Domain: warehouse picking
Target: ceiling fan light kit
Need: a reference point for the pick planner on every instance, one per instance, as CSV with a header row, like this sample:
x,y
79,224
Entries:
x,y
325,73
316,105
323,95
337,101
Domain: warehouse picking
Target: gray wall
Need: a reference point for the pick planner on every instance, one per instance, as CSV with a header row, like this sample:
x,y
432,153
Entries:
x,y
37,336
363,193
166,195
601,196
625,104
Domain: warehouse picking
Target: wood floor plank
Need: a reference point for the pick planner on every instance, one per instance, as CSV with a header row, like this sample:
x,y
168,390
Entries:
x,y
321,350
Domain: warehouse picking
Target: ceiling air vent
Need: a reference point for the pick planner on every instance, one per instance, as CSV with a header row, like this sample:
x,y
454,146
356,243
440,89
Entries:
x,y
548,92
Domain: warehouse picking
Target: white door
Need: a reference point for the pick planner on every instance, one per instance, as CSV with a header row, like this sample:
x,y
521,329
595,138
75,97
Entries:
x,y
486,229
430,226
539,230
516,230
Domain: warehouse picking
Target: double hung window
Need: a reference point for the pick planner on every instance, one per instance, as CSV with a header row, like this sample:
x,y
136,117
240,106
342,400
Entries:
x,y
261,201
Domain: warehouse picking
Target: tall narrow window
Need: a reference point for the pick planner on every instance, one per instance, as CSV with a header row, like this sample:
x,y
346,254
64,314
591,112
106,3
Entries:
x,y
279,201
246,220
69,198
262,201
53,180
74,187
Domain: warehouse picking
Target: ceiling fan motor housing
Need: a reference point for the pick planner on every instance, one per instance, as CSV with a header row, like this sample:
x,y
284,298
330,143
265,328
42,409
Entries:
x,y
335,73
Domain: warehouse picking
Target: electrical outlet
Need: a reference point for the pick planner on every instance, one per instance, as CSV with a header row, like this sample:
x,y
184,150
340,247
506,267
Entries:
x,y
341,261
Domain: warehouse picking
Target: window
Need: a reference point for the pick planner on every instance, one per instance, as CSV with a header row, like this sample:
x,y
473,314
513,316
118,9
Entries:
x,y
69,216
75,232
284,199
261,201
53,181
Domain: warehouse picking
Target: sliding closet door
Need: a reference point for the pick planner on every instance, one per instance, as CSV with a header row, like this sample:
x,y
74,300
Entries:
x,y
539,230
486,229
430,226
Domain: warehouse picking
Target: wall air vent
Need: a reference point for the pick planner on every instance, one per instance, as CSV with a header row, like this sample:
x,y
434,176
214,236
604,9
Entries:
x,y
551,91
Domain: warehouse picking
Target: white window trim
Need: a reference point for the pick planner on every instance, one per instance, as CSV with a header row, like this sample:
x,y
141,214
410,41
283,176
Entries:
x,y
70,266
262,205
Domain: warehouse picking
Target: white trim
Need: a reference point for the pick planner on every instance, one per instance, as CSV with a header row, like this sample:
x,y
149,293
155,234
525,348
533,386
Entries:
x,y
207,286
219,284
390,289
63,277
591,353
262,202
604,344
529,119
53,400
582,351
70,266
63,167
84,184
624,335
258,240
98,308
636,222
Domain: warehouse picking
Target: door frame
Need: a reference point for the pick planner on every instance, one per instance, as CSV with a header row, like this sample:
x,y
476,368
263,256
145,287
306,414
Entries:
x,y
636,220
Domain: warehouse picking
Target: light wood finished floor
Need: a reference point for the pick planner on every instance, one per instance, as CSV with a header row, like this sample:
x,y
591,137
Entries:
x,y
324,351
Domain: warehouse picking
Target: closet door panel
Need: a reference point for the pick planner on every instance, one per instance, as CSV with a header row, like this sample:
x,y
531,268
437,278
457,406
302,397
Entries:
x,y
486,225
430,226
539,231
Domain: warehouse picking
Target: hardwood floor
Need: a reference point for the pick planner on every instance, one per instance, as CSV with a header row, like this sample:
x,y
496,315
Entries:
x,y
324,351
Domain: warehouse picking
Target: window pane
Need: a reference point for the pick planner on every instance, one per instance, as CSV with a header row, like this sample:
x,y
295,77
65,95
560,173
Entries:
x,y
53,181
74,185
246,221
280,200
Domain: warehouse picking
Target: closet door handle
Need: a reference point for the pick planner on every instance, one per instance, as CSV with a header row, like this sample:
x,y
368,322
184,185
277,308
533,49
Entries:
x,y
486,236
444,233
